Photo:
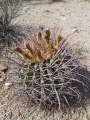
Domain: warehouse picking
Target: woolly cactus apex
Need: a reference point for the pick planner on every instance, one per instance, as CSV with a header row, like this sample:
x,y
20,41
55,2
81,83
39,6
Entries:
x,y
48,71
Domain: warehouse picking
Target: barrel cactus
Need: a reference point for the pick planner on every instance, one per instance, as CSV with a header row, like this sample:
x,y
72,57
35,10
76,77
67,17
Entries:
x,y
48,71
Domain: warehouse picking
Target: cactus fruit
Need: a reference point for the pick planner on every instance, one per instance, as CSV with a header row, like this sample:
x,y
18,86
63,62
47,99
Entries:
x,y
48,71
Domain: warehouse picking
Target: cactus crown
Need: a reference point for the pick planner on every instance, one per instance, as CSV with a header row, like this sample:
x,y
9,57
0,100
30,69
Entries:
x,y
41,50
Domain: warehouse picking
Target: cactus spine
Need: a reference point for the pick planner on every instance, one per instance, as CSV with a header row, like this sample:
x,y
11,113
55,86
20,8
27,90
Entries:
x,y
49,71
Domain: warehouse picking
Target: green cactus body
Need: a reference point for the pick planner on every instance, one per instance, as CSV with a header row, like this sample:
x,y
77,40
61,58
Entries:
x,y
43,79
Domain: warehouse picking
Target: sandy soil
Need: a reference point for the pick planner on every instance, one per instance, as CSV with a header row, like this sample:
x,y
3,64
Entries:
x,y
69,15
72,15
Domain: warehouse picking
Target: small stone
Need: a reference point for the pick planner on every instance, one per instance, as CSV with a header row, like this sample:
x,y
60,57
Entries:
x,y
7,85
75,30
64,18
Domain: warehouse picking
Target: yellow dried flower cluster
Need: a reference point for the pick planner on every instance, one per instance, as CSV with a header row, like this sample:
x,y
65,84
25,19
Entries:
x,y
42,48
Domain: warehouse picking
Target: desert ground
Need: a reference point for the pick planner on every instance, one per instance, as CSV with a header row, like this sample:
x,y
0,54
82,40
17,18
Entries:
x,y
71,17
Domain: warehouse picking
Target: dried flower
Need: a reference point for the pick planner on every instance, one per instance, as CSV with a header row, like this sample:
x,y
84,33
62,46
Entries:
x,y
41,49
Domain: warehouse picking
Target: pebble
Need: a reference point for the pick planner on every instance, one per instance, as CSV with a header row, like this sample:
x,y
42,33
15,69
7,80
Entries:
x,y
64,18
7,85
75,30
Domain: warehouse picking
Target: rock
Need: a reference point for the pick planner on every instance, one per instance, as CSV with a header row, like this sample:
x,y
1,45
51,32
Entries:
x,y
63,18
7,85
3,66
75,30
